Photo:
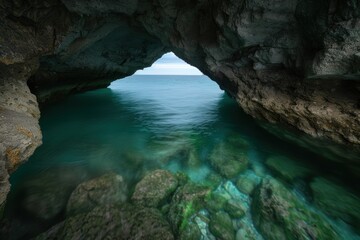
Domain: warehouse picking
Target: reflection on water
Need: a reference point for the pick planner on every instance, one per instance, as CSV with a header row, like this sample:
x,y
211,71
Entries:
x,y
182,124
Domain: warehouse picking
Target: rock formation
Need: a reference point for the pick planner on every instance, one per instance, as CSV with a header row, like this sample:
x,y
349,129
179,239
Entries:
x,y
293,62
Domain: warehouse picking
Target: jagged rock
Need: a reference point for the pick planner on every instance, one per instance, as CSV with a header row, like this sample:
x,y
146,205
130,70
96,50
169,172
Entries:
x,y
155,188
112,222
107,189
287,168
278,214
221,226
228,160
336,201
46,195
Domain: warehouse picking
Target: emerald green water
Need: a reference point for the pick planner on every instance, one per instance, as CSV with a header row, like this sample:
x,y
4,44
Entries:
x,y
143,123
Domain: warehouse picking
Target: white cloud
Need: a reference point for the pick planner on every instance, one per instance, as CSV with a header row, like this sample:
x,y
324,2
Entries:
x,y
169,64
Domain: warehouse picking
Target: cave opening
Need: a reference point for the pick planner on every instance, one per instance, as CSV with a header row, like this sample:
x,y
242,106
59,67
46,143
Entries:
x,y
165,138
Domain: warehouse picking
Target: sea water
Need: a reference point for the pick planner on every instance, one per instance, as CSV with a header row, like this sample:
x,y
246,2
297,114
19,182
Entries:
x,y
142,123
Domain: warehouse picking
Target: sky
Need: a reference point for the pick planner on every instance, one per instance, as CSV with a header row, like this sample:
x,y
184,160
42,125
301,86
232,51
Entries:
x,y
169,64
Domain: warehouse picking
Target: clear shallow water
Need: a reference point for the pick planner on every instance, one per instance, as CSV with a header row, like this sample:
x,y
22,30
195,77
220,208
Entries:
x,y
143,123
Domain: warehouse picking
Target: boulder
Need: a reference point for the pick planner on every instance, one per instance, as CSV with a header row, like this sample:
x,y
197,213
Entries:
x,y
155,188
107,189
228,160
336,201
278,215
221,226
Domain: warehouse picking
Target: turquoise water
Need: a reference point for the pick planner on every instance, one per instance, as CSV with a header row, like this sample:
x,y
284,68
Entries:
x,y
143,123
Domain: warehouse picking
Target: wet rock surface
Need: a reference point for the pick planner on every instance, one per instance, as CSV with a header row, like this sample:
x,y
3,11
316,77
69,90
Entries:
x,y
107,189
278,214
154,188
336,201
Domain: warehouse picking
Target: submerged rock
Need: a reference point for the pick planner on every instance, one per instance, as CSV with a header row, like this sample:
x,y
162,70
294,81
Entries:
x,y
112,222
221,226
287,168
278,214
247,183
46,196
336,201
235,208
187,200
107,189
229,160
154,188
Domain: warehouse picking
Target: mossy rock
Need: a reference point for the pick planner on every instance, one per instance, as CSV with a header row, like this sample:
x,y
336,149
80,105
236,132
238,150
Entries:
x,y
215,202
47,194
186,201
221,226
113,222
107,189
228,160
336,201
235,209
191,232
278,215
288,169
247,183
155,188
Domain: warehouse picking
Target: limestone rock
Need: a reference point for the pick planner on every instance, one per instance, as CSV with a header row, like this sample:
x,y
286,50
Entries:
x,y
107,189
155,188
278,214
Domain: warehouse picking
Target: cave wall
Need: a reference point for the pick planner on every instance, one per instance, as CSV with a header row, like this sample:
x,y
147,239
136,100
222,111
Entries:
x,y
294,62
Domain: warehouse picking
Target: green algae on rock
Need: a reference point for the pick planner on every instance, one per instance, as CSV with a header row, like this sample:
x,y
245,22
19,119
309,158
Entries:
x,y
221,226
107,189
186,201
287,168
235,208
229,160
336,201
279,215
247,182
113,222
155,188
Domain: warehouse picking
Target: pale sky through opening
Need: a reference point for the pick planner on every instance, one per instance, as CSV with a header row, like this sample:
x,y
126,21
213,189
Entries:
x,y
169,64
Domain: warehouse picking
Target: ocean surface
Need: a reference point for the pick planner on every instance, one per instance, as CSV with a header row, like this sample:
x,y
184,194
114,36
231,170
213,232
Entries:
x,y
142,123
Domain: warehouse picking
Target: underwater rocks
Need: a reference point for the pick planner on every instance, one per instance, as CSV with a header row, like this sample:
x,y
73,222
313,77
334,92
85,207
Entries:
x,y
154,188
221,226
287,168
278,214
336,201
44,197
107,189
229,160
113,222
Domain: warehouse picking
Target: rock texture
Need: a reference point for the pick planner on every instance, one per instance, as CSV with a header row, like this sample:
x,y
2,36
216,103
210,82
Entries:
x,y
294,62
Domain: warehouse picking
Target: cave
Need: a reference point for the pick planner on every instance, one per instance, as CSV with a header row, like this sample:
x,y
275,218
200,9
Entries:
x,y
289,69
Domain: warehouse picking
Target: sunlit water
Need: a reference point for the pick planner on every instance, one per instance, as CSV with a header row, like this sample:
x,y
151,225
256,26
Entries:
x,y
143,123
